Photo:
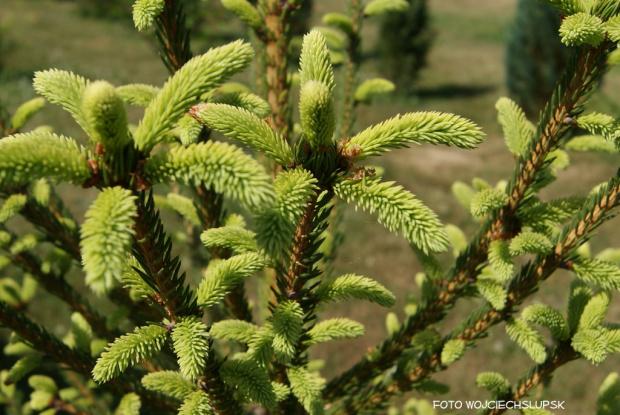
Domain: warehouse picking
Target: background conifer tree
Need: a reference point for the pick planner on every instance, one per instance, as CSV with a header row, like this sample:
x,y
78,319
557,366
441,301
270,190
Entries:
x,y
404,42
535,56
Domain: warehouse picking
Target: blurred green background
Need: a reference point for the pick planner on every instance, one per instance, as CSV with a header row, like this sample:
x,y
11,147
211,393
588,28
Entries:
x,y
465,74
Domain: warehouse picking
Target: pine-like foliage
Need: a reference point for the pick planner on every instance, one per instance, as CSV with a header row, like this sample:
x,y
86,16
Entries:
x,y
493,382
145,12
184,206
334,329
339,21
594,311
316,110
23,367
377,7
191,345
196,404
545,217
355,286
592,143
314,62
398,210
65,89
287,322
592,344
580,294
130,405
276,225
245,11
107,237
137,94
25,112
244,100
529,339
202,345
316,106
501,260
493,292
259,347
547,317
105,113
597,123
487,200
463,193
129,350
251,380
452,351
235,238
307,388
169,383
221,166
133,280
183,90
609,395
240,124
370,88
582,28
235,330
530,243
34,155
12,205
518,131
416,128
82,332
601,273
44,390
224,275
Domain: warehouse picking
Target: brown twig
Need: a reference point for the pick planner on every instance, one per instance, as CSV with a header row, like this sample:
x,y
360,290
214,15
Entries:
x,y
561,355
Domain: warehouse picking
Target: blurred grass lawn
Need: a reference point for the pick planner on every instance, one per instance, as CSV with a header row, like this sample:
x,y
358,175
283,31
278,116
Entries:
x,y
465,76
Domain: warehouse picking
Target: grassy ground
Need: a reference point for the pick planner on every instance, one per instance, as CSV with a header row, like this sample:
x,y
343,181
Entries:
x,y
465,75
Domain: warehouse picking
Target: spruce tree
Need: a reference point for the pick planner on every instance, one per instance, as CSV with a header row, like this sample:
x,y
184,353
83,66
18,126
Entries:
x,y
404,42
535,56
189,343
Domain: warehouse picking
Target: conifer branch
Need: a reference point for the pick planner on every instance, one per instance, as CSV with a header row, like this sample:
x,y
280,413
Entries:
x,y
301,243
220,166
240,124
41,340
562,354
54,283
583,72
106,237
292,282
153,249
184,89
173,36
595,211
275,36
51,218
210,213
58,286
221,396
29,156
